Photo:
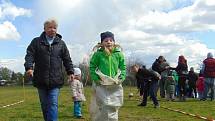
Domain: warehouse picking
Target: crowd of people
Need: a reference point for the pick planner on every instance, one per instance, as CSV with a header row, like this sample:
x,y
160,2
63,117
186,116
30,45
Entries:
x,y
176,83
48,54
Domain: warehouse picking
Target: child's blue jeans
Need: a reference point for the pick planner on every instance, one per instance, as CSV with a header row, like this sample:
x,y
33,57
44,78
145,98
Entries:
x,y
77,108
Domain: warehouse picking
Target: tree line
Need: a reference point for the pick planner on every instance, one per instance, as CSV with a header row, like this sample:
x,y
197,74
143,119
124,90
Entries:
x,y
17,78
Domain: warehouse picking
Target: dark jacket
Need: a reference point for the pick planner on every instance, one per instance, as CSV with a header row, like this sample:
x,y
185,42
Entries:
x,y
182,69
192,78
156,66
144,75
47,61
160,67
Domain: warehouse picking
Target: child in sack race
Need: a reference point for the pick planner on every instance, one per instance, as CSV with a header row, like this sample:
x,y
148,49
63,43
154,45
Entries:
x,y
107,70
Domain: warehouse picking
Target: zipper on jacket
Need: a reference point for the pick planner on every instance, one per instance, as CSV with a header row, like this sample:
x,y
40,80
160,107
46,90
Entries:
x,y
110,65
50,50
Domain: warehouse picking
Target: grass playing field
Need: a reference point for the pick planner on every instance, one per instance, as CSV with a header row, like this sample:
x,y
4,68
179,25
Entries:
x,y
29,110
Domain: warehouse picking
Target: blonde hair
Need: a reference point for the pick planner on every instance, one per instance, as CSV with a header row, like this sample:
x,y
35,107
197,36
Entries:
x,y
51,20
135,65
99,46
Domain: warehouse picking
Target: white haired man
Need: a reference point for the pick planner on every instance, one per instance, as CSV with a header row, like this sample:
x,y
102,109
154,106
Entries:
x,y
43,61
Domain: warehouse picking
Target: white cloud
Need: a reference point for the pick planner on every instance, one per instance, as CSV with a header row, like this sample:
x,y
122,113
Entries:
x,y
197,17
145,48
8,31
10,11
145,29
16,65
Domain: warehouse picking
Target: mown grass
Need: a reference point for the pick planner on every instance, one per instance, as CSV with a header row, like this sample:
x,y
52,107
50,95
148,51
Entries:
x,y
30,109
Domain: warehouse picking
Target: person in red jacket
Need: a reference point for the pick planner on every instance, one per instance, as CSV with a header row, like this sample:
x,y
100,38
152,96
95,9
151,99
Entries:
x,y
200,86
208,69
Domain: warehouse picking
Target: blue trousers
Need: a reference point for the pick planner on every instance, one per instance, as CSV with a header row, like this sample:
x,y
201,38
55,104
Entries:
x,y
150,89
77,108
49,103
209,84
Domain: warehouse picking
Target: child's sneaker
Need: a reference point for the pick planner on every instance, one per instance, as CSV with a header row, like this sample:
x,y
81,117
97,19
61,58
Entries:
x,y
79,117
173,99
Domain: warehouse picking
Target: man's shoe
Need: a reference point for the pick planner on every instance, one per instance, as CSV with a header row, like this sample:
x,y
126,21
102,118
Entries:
x,y
184,99
141,104
156,106
162,96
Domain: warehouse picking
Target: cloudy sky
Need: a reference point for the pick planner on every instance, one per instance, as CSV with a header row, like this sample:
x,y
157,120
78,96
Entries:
x,y
144,28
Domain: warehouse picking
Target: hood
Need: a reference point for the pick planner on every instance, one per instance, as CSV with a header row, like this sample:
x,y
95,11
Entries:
x,y
116,49
56,40
57,35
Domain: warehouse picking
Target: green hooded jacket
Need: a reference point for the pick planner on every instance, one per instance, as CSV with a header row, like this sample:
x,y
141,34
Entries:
x,y
107,64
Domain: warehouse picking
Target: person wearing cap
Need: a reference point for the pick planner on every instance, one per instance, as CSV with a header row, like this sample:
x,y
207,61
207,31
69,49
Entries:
x,y
77,90
107,64
45,57
208,69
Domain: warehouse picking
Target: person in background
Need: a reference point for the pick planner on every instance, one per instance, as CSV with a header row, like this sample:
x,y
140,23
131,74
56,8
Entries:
x,y
208,69
175,76
43,61
192,78
77,92
107,71
182,70
170,87
140,82
200,86
150,78
162,67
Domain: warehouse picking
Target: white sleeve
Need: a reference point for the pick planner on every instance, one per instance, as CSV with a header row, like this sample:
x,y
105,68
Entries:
x,y
74,88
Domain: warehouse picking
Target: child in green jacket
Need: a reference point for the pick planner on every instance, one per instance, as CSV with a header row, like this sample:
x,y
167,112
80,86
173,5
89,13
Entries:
x,y
107,71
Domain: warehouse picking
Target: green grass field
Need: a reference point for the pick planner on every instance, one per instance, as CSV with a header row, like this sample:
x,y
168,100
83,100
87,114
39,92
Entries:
x,y
29,110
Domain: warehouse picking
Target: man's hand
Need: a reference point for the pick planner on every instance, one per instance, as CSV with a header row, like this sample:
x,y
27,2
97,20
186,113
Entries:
x,y
159,77
30,73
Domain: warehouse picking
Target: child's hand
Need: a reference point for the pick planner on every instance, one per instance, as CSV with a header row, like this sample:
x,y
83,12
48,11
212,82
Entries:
x,y
120,80
74,98
71,77
69,81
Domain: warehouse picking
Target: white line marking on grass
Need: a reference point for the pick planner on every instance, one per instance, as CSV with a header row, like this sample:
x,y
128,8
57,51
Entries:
x,y
189,114
12,104
18,102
